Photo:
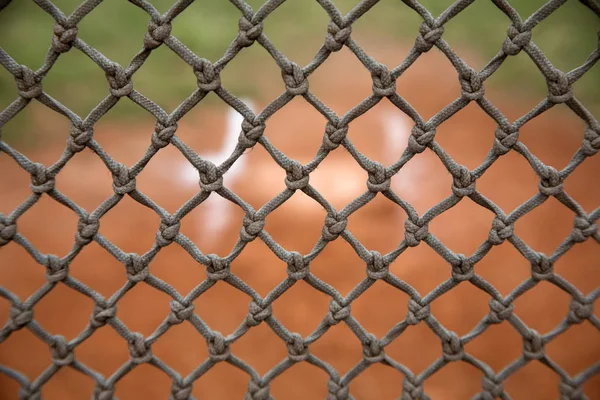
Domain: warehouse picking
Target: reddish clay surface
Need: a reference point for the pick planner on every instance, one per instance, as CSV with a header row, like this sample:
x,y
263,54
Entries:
x,y
297,131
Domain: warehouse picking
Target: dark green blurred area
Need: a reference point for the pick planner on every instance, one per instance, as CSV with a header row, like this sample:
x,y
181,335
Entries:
x,y
116,28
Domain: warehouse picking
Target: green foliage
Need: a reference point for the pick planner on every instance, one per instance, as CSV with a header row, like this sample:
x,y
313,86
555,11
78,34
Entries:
x,y
116,28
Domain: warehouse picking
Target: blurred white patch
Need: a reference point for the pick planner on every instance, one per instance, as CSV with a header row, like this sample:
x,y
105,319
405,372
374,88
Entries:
x,y
397,128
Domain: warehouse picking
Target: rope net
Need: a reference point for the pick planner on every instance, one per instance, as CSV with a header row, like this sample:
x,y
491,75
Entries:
x,y
138,267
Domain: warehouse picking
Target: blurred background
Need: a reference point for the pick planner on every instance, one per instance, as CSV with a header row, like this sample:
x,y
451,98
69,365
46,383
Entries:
x,y
297,28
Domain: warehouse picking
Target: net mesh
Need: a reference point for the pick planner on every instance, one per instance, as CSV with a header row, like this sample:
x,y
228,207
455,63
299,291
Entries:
x,y
296,78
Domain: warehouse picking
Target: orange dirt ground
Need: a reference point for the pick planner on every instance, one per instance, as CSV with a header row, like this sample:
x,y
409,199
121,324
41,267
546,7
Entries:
x,y
297,130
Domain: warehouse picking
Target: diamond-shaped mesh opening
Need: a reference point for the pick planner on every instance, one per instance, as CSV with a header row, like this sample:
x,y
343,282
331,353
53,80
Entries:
x,y
58,323
105,351
380,308
31,275
145,380
260,347
377,380
584,256
68,382
303,380
461,309
222,381
223,316
577,349
173,350
49,226
543,296
498,337
456,380
17,343
294,308
519,383
143,308
255,144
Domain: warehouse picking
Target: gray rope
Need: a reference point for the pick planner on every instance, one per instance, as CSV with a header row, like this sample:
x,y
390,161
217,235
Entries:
x,y
137,267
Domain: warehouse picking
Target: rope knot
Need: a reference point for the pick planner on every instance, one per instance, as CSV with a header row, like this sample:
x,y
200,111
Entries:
x,y
500,231
373,350
416,312
211,180
471,84
411,389
167,232
162,135
294,79
533,346
103,392
452,347
119,83
218,350
63,38
248,32
334,226
257,391
463,183
462,268
419,139
79,137
427,37
180,312
551,182
591,141
123,182
41,181
61,353
297,177
208,79
251,132
515,40
559,88
7,230
180,391
29,85
297,268
337,391
257,313
297,349
138,349
499,311
505,140
579,311
377,267
217,269
137,269
252,226
56,269
492,388
158,32
87,228
415,232
334,135
19,317
571,391
102,314
28,393
384,84
336,36
583,229
337,312
542,269
378,180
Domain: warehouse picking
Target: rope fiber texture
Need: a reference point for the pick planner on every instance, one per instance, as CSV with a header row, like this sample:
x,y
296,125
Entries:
x,y
338,33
